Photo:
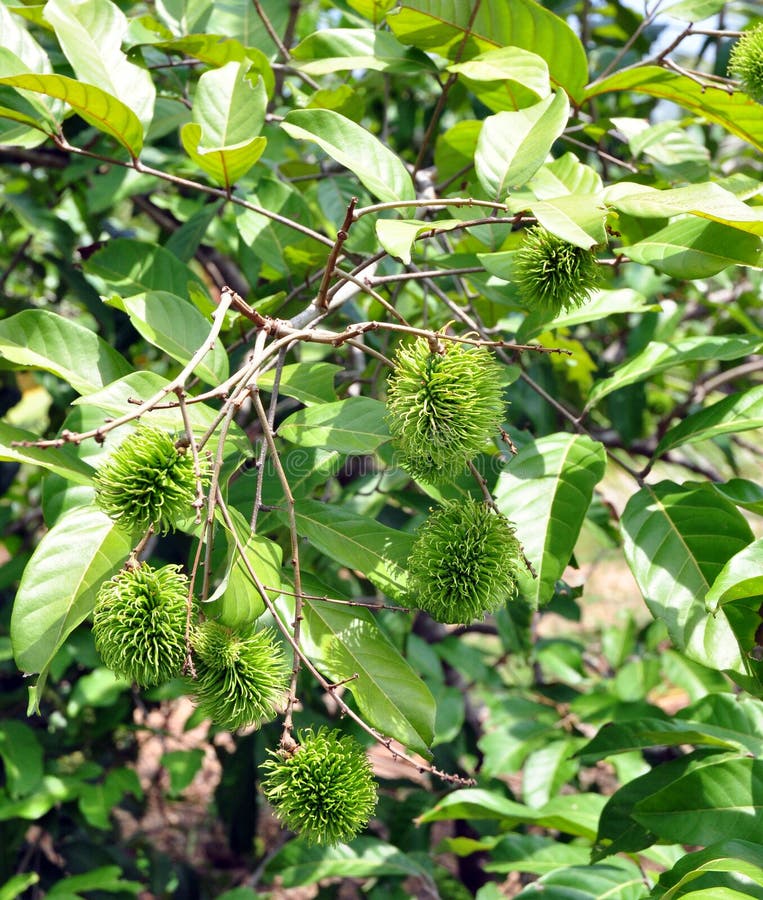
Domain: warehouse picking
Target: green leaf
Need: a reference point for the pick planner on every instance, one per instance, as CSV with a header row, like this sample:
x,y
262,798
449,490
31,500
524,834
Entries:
x,y
708,201
512,146
693,248
22,757
38,339
715,803
677,538
529,853
693,10
355,425
52,792
576,218
91,36
546,491
347,644
741,577
175,326
735,413
99,109
182,766
60,583
506,78
444,26
17,884
228,114
736,112
565,175
135,267
62,460
308,382
105,878
297,864
623,881
658,357
377,168
742,492
741,857
342,49
376,551
397,236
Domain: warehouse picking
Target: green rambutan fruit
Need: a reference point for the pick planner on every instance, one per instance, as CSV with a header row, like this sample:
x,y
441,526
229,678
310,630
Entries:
x,y
147,481
552,274
240,680
464,562
746,62
324,790
442,408
139,623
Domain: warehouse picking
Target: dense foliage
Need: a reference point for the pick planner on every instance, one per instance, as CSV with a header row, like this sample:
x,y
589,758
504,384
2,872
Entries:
x,y
342,342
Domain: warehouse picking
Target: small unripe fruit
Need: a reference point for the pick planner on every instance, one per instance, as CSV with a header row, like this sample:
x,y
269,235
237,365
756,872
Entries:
x,y
139,623
239,680
552,274
464,562
147,481
324,790
746,62
443,407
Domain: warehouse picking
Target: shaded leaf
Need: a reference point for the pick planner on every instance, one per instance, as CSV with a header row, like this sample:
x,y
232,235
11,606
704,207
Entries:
x,y
342,49
354,425
308,382
741,577
62,460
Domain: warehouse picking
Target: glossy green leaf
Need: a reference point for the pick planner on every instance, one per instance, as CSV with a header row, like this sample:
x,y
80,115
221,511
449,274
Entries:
x,y
579,219
693,10
546,490
512,146
22,756
376,551
175,326
736,112
59,586
742,492
677,538
377,168
715,803
623,881
135,267
506,78
693,248
16,885
355,425
742,857
528,853
297,864
99,109
741,577
601,305
308,382
63,460
239,19
228,114
565,175
90,34
707,201
347,645
342,49
735,413
442,26
397,236
39,339
658,357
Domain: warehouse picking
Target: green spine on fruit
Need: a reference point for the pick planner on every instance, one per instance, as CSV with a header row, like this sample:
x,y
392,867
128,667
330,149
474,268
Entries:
x,y
464,562
139,623
240,680
552,274
442,408
746,62
147,482
324,790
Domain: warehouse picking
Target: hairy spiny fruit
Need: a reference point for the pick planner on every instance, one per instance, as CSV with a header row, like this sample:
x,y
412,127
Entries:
x,y
139,623
552,274
324,790
443,407
240,680
147,481
464,562
746,62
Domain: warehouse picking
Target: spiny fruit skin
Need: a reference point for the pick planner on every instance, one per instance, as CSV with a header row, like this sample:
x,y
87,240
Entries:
x,y
552,274
147,481
746,62
324,790
442,408
464,562
240,680
139,623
